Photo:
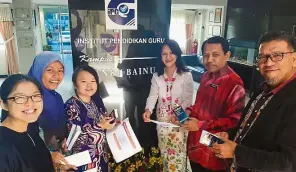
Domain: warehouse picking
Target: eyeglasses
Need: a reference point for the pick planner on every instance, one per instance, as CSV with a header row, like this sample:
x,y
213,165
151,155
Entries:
x,y
24,99
274,57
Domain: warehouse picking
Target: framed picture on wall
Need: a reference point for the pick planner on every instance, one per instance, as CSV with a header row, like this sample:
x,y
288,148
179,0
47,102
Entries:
x,y
218,15
216,30
211,16
210,30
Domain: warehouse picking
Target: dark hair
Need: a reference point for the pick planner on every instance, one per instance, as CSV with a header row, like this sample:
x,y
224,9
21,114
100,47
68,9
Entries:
x,y
87,69
278,36
176,50
216,40
10,84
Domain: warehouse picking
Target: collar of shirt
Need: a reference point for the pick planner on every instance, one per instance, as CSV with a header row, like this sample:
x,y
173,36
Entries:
x,y
220,73
274,91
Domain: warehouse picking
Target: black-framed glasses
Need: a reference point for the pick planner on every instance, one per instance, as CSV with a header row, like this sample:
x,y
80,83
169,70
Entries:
x,y
275,57
24,99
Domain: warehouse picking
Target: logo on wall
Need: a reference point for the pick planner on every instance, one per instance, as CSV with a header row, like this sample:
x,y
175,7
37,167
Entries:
x,y
111,45
121,14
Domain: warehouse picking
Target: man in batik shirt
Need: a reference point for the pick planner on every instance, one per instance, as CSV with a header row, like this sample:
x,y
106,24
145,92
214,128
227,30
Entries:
x,y
219,104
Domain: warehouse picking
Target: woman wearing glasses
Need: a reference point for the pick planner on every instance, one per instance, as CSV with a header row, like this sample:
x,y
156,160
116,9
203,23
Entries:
x,y
21,102
48,70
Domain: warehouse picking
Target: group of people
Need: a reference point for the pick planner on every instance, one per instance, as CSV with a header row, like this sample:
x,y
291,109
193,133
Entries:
x,y
219,103
258,137
36,122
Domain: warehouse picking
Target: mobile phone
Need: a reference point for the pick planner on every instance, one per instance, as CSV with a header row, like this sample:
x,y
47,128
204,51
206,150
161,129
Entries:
x,y
180,114
208,139
114,114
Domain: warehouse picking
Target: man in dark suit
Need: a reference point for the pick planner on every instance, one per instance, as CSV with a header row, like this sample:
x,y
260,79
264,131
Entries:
x,y
265,138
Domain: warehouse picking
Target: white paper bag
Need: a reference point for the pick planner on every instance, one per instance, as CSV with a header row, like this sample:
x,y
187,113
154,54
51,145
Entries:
x,y
122,141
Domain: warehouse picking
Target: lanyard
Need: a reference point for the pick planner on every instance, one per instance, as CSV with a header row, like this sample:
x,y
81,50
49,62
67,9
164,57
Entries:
x,y
252,108
169,86
243,124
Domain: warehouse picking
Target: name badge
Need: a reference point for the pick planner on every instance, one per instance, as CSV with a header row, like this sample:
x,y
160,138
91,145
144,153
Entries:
x,y
214,86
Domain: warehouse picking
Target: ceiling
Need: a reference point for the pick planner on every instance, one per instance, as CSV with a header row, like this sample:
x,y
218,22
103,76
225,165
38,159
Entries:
x,y
47,2
192,6
176,4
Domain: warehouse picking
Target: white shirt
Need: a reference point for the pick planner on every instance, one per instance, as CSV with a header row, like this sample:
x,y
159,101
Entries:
x,y
182,90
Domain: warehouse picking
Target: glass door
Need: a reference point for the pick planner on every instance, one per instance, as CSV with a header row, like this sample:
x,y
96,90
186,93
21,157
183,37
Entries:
x,y
55,32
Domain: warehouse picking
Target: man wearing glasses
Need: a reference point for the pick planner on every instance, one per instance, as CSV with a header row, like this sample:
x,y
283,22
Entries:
x,y
265,138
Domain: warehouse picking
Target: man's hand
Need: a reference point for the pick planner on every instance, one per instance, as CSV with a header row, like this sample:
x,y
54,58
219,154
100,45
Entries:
x,y
225,150
222,135
191,124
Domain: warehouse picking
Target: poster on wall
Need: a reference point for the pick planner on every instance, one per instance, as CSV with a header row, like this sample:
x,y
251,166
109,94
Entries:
x,y
124,58
121,14
218,15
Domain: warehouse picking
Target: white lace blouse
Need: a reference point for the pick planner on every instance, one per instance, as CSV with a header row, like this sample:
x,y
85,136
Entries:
x,y
181,91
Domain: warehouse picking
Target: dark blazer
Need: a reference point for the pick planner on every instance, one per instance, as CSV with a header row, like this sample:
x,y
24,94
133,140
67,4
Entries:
x,y
270,145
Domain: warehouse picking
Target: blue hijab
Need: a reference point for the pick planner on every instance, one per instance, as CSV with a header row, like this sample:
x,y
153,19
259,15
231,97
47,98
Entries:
x,y
52,120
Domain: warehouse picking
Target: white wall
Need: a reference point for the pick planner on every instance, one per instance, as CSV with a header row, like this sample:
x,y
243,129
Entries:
x,y
203,7
202,27
5,1
47,2
37,31
50,2
208,23
26,54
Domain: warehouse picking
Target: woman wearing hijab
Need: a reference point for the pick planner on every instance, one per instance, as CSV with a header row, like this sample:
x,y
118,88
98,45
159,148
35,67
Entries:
x,y
48,70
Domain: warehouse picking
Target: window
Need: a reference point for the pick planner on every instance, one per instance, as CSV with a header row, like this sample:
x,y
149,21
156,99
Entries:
x,y
178,30
3,70
1,42
178,33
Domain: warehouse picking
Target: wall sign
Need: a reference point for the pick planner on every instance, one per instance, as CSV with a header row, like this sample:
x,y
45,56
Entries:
x,y
121,14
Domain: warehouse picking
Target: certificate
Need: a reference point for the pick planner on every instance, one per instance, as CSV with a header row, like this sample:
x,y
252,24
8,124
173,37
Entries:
x,y
122,141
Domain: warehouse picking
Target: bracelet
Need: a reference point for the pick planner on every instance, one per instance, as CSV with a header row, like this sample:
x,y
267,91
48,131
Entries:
x,y
52,150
